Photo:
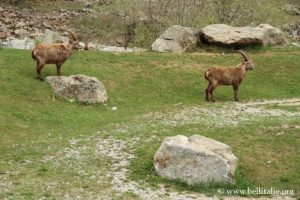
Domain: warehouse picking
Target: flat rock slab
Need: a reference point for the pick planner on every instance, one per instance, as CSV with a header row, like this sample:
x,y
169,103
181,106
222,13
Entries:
x,y
224,35
195,159
78,87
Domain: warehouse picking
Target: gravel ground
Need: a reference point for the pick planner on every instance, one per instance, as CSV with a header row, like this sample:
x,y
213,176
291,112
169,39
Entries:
x,y
82,153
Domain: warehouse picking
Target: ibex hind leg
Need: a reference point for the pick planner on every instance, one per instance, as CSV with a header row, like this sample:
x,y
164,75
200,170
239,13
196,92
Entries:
x,y
39,68
207,92
213,87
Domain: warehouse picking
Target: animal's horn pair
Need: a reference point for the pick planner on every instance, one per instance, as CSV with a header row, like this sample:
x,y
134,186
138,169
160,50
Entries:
x,y
72,35
244,55
74,38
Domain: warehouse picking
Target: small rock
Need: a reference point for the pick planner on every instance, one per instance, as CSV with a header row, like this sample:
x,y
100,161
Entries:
x,y
285,126
86,10
114,108
47,25
3,27
295,44
280,133
269,161
20,24
21,33
7,20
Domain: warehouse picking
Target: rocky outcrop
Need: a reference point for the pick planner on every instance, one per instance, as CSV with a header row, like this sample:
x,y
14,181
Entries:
x,y
48,37
195,159
25,43
224,35
176,39
27,23
78,87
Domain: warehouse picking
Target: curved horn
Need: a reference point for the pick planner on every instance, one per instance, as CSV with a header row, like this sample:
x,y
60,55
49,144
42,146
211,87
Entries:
x,y
74,38
244,55
73,35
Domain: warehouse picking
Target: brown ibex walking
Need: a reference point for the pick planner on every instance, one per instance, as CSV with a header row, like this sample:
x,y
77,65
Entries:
x,y
53,54
227,76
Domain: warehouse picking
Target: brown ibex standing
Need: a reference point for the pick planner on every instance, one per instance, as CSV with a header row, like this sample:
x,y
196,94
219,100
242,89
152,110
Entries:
x,y
53,54
227,76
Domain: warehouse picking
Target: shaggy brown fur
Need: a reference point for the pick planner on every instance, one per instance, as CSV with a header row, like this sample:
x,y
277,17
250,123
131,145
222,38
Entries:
x,y
227,76
53,54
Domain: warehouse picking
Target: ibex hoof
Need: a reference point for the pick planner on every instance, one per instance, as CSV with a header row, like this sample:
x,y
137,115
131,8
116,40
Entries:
x,y
40,78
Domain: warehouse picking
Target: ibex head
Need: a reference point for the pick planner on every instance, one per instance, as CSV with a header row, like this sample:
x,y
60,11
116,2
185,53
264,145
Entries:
x,y
73,40
247,61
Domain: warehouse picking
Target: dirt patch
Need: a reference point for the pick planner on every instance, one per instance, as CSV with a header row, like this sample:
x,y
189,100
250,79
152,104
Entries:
x,y
294,101
219,115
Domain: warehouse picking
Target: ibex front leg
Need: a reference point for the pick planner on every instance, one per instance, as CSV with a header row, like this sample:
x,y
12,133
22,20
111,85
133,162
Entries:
x,y
39,67
58,67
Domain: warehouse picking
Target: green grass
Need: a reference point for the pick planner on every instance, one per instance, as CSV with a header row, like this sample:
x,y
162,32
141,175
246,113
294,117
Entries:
x,y
33,124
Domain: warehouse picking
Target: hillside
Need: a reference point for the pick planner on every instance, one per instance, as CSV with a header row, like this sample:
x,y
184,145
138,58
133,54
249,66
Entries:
x,y
107,21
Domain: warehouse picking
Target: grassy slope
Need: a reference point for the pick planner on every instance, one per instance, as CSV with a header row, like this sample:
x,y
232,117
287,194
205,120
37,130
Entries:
x,y
31,120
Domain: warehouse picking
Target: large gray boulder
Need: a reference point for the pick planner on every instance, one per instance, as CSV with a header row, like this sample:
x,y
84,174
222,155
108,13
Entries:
x,y
195,159
78,87
222,34
176,39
